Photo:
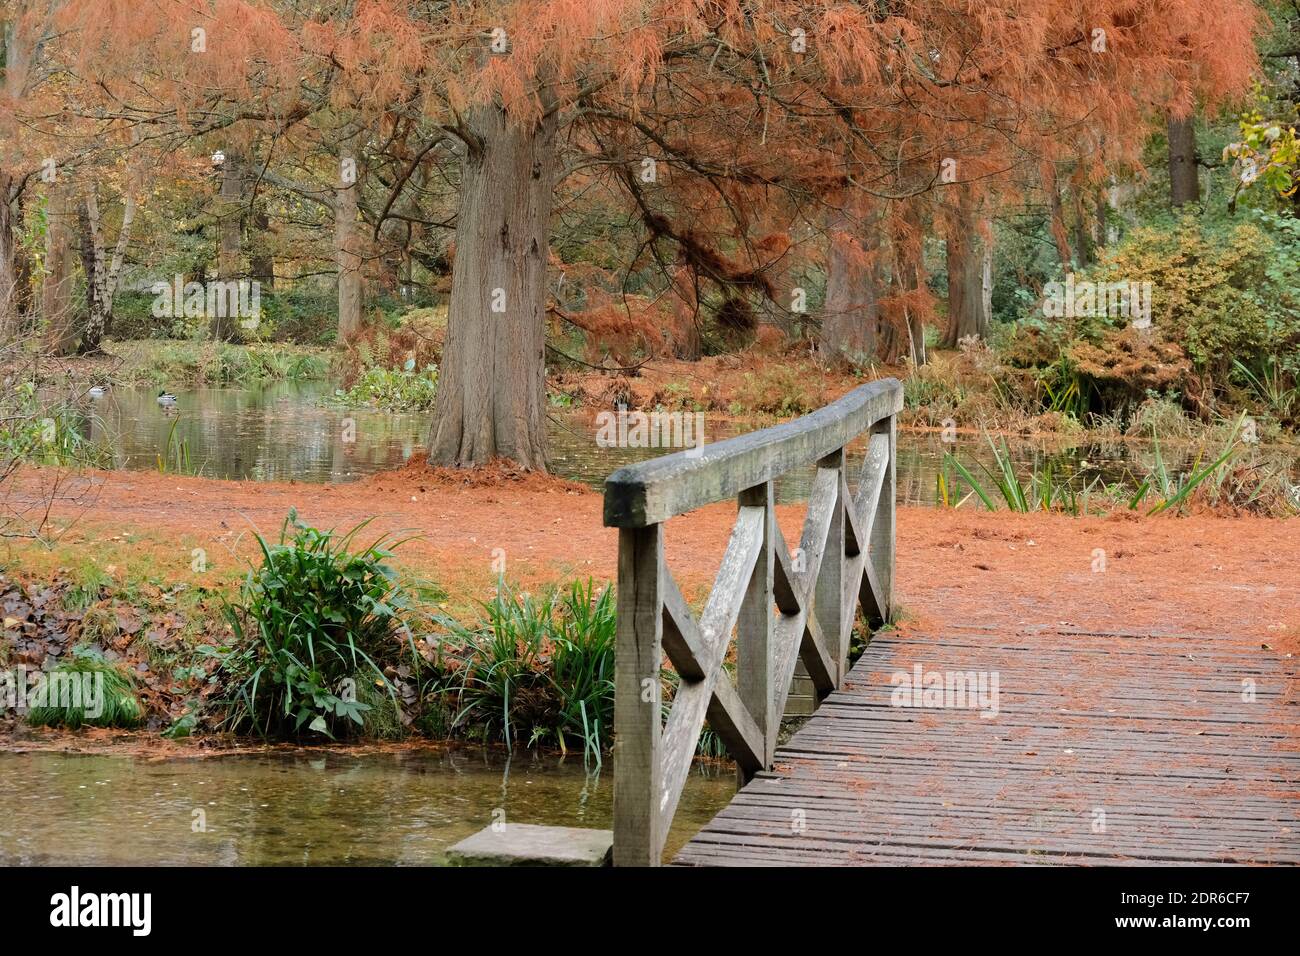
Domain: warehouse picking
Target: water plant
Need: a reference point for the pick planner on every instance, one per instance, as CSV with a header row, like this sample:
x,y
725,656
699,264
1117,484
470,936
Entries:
x,y
1273,387
315,618
175,457
1042,489
541,666
1174,489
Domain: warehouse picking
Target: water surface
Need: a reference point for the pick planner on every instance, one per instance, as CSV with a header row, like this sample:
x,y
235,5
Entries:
x,y
288,430
302,808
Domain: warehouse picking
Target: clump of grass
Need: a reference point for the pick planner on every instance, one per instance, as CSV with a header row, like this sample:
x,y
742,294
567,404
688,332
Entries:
x,y
315,618
1042,489
216,363
37,430
175,457
1174,490
88,583
382,719
86,690
536,669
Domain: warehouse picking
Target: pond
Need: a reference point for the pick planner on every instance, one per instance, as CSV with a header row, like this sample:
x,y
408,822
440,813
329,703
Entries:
x,y
286,430
404,807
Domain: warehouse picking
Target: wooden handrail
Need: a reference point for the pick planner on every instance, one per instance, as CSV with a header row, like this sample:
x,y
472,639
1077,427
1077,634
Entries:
x,y
782,607
656,490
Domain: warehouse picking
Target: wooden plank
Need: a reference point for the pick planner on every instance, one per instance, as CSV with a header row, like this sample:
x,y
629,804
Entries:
x,y
730,719
691,702
787,584
682,640
819,556
639,832
872,597
656,490
1150,730
817,659
755,652
882,549
827,575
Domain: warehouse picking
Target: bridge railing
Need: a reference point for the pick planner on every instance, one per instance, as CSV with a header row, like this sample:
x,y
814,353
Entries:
x,y
782,607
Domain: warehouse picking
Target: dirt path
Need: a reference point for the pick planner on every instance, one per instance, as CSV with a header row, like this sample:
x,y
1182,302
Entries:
x,y
1231,576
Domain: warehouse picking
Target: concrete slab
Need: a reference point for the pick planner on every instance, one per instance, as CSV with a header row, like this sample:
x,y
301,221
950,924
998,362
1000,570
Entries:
x,y
527,844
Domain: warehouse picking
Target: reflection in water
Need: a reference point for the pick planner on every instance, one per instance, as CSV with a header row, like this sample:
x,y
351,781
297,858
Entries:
x,y
281,431
301,808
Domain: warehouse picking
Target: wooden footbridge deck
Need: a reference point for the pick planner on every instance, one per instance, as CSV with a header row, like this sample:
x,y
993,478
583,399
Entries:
x,y
975,745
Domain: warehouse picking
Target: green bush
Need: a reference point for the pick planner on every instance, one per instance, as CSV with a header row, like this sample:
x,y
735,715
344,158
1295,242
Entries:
x,y
317,620
307,315
391,391
216,363
1221,292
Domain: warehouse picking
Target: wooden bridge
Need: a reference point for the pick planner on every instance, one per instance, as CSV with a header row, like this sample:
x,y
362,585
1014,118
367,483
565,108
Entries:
x,y
975,745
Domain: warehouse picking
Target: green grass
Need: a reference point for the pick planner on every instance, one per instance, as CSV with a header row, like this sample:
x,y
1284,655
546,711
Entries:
x,y
88,583
175,456
86,690
1173,490
154,363
536,669
1042,489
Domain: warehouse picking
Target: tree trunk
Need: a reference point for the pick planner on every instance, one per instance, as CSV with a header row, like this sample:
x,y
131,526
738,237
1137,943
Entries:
x,y
229,231
347,256
92,261
57,285
261,261
8,263
101,272
1184,185
851,323
968,251
1056,214
492,391
907,337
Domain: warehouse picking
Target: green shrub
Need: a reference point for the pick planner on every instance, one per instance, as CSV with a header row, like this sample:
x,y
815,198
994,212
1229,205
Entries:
x,y
316,621
391,391
215,363
1221,293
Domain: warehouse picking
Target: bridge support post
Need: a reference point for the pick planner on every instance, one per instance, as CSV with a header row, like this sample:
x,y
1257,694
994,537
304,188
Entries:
x,y
755,648
638,698
880,552
828,606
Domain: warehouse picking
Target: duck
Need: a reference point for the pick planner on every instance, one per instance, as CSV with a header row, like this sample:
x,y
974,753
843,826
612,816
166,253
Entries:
x,y
166,398
97,391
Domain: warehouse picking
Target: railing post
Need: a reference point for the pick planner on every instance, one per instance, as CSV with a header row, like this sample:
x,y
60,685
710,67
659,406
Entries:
x,y
638,698
755,631
881,550
828,603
